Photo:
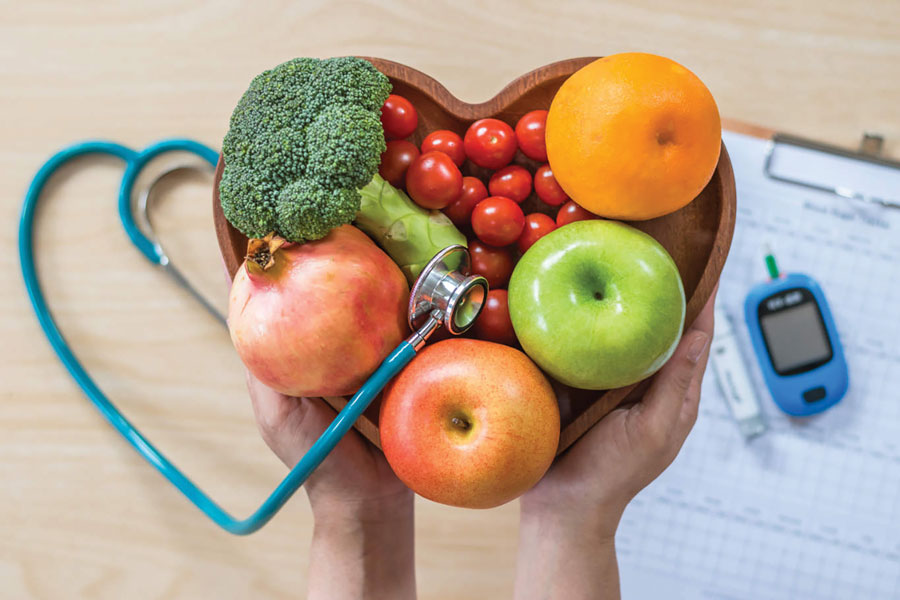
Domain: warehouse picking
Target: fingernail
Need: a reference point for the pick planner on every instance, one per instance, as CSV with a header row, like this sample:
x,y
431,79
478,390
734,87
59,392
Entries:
x,y
697,346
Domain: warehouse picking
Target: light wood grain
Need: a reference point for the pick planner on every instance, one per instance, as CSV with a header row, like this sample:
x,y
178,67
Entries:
x,y
81,514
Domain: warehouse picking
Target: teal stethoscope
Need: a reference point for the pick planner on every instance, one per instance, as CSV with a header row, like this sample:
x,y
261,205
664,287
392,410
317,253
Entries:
x,y
444,294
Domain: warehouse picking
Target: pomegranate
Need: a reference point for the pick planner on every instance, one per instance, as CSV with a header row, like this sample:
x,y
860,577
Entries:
x,y
316,319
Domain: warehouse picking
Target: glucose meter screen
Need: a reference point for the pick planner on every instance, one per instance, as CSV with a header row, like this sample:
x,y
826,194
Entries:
x,y
795,337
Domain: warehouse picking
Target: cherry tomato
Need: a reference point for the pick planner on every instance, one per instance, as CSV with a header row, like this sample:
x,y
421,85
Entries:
x,y
447,142
433,181
571,212
498,221
530,135
494,324
547,188
513,181
473,192
396,160
398,117
490,143
495,264
537,225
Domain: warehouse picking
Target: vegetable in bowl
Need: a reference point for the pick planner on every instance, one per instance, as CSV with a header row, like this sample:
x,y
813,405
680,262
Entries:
x,y
305,136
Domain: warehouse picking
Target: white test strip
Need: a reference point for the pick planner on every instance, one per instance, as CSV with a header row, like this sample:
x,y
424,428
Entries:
x,y
734,381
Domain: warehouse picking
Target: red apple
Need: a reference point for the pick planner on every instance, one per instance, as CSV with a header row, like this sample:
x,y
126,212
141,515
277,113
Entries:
x,y
470,423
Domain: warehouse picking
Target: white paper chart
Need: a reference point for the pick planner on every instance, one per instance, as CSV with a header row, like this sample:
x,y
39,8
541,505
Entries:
x,y
811,509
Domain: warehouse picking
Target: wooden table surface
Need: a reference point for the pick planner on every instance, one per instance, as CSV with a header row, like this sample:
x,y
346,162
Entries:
x,y
81,515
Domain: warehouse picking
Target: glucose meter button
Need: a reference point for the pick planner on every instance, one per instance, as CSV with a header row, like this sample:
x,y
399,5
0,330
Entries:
x,y
814,394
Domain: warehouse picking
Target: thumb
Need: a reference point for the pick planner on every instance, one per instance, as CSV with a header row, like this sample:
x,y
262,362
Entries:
x,y
663,402
680,370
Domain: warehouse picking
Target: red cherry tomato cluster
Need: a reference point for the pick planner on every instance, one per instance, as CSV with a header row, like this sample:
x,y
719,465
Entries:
x,y
516,206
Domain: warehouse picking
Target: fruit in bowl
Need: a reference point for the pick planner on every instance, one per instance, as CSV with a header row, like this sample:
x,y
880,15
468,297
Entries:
x,y
597,304
470,423
294,312
633,136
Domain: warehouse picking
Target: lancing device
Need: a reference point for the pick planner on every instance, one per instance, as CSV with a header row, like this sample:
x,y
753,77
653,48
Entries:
x,y
733,379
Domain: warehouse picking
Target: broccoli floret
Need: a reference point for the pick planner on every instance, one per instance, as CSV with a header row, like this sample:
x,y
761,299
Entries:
x,y
345,146
247,203
348,80
302,139
309,211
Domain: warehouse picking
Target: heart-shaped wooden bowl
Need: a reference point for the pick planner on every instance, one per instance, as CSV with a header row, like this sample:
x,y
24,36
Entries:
x,y
697,236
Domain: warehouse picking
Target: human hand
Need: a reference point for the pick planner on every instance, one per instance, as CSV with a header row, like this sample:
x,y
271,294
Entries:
x,y
569,518
355,477
363,537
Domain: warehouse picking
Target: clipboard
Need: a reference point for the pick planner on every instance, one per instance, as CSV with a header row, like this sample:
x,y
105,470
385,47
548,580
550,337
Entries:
x,y
870,151
807,510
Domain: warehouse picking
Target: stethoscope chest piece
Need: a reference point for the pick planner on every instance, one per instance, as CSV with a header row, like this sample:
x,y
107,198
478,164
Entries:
x,y
446,293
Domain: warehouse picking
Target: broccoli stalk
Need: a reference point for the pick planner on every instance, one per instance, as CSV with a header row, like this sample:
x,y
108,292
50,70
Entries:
x,y
409,234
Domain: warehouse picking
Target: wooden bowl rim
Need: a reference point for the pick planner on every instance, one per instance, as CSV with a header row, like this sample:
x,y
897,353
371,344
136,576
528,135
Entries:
x,y
466,111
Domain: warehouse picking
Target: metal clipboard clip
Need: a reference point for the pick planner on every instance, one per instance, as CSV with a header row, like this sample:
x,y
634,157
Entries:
x,y
869,151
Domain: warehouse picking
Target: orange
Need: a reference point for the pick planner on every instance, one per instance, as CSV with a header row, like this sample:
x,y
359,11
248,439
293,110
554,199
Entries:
x,y
633,136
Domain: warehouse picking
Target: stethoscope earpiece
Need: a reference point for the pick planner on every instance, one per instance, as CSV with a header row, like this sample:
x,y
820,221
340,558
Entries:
x,y
140,214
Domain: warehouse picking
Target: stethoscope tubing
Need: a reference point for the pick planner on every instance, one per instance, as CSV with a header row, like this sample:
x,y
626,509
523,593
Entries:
x,y
314,456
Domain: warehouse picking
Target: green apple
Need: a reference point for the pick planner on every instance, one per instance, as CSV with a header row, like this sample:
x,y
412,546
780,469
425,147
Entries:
x,y
597,304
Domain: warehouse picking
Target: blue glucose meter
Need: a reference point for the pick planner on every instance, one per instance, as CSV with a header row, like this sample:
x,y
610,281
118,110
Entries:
x,y
796,343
